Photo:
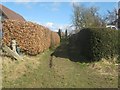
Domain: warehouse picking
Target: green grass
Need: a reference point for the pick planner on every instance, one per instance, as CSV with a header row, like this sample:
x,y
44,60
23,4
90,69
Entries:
x,y
63,74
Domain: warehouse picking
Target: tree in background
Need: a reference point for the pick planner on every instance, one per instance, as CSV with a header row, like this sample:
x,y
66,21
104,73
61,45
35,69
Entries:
x,y
59,33
111,17
119,15
84,17
66,33
119,18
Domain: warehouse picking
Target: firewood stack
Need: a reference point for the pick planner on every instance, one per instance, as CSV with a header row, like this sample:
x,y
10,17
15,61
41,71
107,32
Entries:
x,y
32,38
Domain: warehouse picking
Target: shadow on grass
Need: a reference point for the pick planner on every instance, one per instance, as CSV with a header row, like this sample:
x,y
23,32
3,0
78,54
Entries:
x,y
66,51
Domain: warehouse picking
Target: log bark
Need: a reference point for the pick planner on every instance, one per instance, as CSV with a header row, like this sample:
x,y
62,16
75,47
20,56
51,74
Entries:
x,y
12,53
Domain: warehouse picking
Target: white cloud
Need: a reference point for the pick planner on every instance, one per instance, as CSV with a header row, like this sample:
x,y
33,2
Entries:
x,y
49,24
55,26
55,6
52,26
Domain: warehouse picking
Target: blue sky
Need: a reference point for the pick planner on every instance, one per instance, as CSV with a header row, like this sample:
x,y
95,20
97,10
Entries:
x,y
53,14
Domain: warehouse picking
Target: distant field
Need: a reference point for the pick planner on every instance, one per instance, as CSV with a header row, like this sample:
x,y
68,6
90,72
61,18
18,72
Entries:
x,y
35,72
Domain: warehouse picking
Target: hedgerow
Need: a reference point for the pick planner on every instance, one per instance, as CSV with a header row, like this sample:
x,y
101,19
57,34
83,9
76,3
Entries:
x,y
96,43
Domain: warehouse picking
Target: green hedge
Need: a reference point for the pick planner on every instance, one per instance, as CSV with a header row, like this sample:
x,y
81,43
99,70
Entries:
x,y
119,45
97,43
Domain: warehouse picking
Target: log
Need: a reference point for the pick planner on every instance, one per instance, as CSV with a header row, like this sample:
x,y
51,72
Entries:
x,y
12,53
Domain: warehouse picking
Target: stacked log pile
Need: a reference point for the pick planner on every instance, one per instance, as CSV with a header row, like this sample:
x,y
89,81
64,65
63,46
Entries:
x,y
31,38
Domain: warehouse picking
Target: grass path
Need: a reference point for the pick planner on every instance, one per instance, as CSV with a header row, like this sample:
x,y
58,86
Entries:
x,y
34,72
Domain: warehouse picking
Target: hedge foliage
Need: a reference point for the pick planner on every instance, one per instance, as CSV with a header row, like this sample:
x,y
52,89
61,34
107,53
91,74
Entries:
x,y
96,43
32,38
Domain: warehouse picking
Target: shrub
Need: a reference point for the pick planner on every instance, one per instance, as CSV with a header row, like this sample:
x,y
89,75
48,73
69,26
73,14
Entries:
x,y
97,43
55,40
31,37
119,45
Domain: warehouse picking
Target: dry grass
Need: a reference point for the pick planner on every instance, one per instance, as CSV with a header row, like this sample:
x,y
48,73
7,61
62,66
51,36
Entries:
x,y
105,67
15,69
34,72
